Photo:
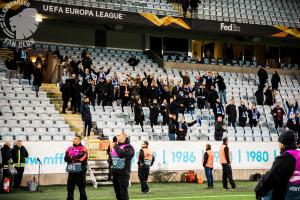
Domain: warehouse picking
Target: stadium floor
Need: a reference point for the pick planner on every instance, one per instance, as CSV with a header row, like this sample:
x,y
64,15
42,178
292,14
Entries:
x,y
159,191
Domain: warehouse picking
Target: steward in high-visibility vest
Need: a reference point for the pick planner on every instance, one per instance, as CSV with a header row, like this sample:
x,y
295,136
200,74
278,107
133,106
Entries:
x,y
225,162
208,164
6,161
19,155
146,160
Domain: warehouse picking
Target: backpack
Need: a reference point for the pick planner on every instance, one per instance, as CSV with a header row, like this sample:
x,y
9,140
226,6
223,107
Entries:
x,y
191,177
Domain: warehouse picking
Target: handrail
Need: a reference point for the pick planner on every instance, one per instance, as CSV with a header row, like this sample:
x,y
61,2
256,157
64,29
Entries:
x,y
93,178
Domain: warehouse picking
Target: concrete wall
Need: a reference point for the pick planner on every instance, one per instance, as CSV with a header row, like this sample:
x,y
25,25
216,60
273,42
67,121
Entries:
x,y
224,68
127,40
166,176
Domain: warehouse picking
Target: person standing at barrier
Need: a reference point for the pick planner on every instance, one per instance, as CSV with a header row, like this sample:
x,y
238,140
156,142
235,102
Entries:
x,y
224,156
283,179
121,156
19,154
219,129
208,164
76,159
86,116
146,160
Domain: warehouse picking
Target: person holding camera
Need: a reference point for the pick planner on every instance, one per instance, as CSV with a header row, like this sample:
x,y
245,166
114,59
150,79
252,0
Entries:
x,y
76,159
121,156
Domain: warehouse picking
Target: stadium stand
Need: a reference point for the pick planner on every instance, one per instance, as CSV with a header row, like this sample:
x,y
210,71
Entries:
x,y
240,86
27,117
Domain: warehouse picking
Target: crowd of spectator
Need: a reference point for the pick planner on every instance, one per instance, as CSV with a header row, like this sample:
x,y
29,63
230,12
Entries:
x,y
172,98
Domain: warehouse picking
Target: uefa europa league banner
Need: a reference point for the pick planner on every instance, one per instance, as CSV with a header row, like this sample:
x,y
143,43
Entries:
x,y
172,156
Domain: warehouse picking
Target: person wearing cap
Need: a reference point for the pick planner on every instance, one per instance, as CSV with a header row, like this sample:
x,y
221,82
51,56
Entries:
x,y
76,158
283,179
19,154
146,160
208,164
121,156
224,157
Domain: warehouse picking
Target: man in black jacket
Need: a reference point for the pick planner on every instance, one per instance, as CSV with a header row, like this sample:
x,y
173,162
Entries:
x,y
276,182
6,160
154,112
259,94
231,112
222,88
212,97
121,156
11,65
75,94
65,89
19,154
201,95
86,116
146,160
263,77
242,114
172,126
91,93
76,158
278,114
219,129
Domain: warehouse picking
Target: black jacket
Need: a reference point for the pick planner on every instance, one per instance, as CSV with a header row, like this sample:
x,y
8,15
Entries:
x,y
250,114
6,154
85,112
81,155
242,111
293,124
275,80
138,113
15,155
91,92
127,153
65,89
277,178
38,77
269,97
154,111
259,94
221,83
212,96
231,111
11,64
262,75
181,134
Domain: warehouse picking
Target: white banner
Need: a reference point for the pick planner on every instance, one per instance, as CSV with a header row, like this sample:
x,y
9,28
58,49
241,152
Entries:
x,y
169,155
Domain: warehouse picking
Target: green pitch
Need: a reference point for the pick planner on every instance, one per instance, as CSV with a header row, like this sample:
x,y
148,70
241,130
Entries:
x,y
159,191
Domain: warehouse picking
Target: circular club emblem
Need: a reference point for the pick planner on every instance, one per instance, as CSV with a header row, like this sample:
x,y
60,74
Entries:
x,y
18,22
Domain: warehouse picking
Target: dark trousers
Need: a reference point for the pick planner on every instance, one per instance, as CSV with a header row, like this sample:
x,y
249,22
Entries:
x,y
278,123
209,177
125,101
227,174
121,183
65,104
143,174
231,122
76,103
242,122
253,123
201,103
78,179
18,177
88,127
101,98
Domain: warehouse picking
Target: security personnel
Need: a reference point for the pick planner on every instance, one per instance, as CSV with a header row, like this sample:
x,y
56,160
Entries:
x,y
19,154
121,156
225,162
208,164
6,160
283,179
146,160
76,158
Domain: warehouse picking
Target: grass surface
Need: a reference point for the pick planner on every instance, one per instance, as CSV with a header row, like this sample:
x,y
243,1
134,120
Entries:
x,y
159,191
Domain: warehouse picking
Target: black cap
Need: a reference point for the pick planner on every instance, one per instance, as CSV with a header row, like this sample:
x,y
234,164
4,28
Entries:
x,y
287,138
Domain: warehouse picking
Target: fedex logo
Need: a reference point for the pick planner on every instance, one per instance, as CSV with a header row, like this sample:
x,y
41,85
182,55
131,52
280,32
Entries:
x,y
230,27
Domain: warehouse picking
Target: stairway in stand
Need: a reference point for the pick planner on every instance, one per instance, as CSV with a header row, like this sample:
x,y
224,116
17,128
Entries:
x,y
54,94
